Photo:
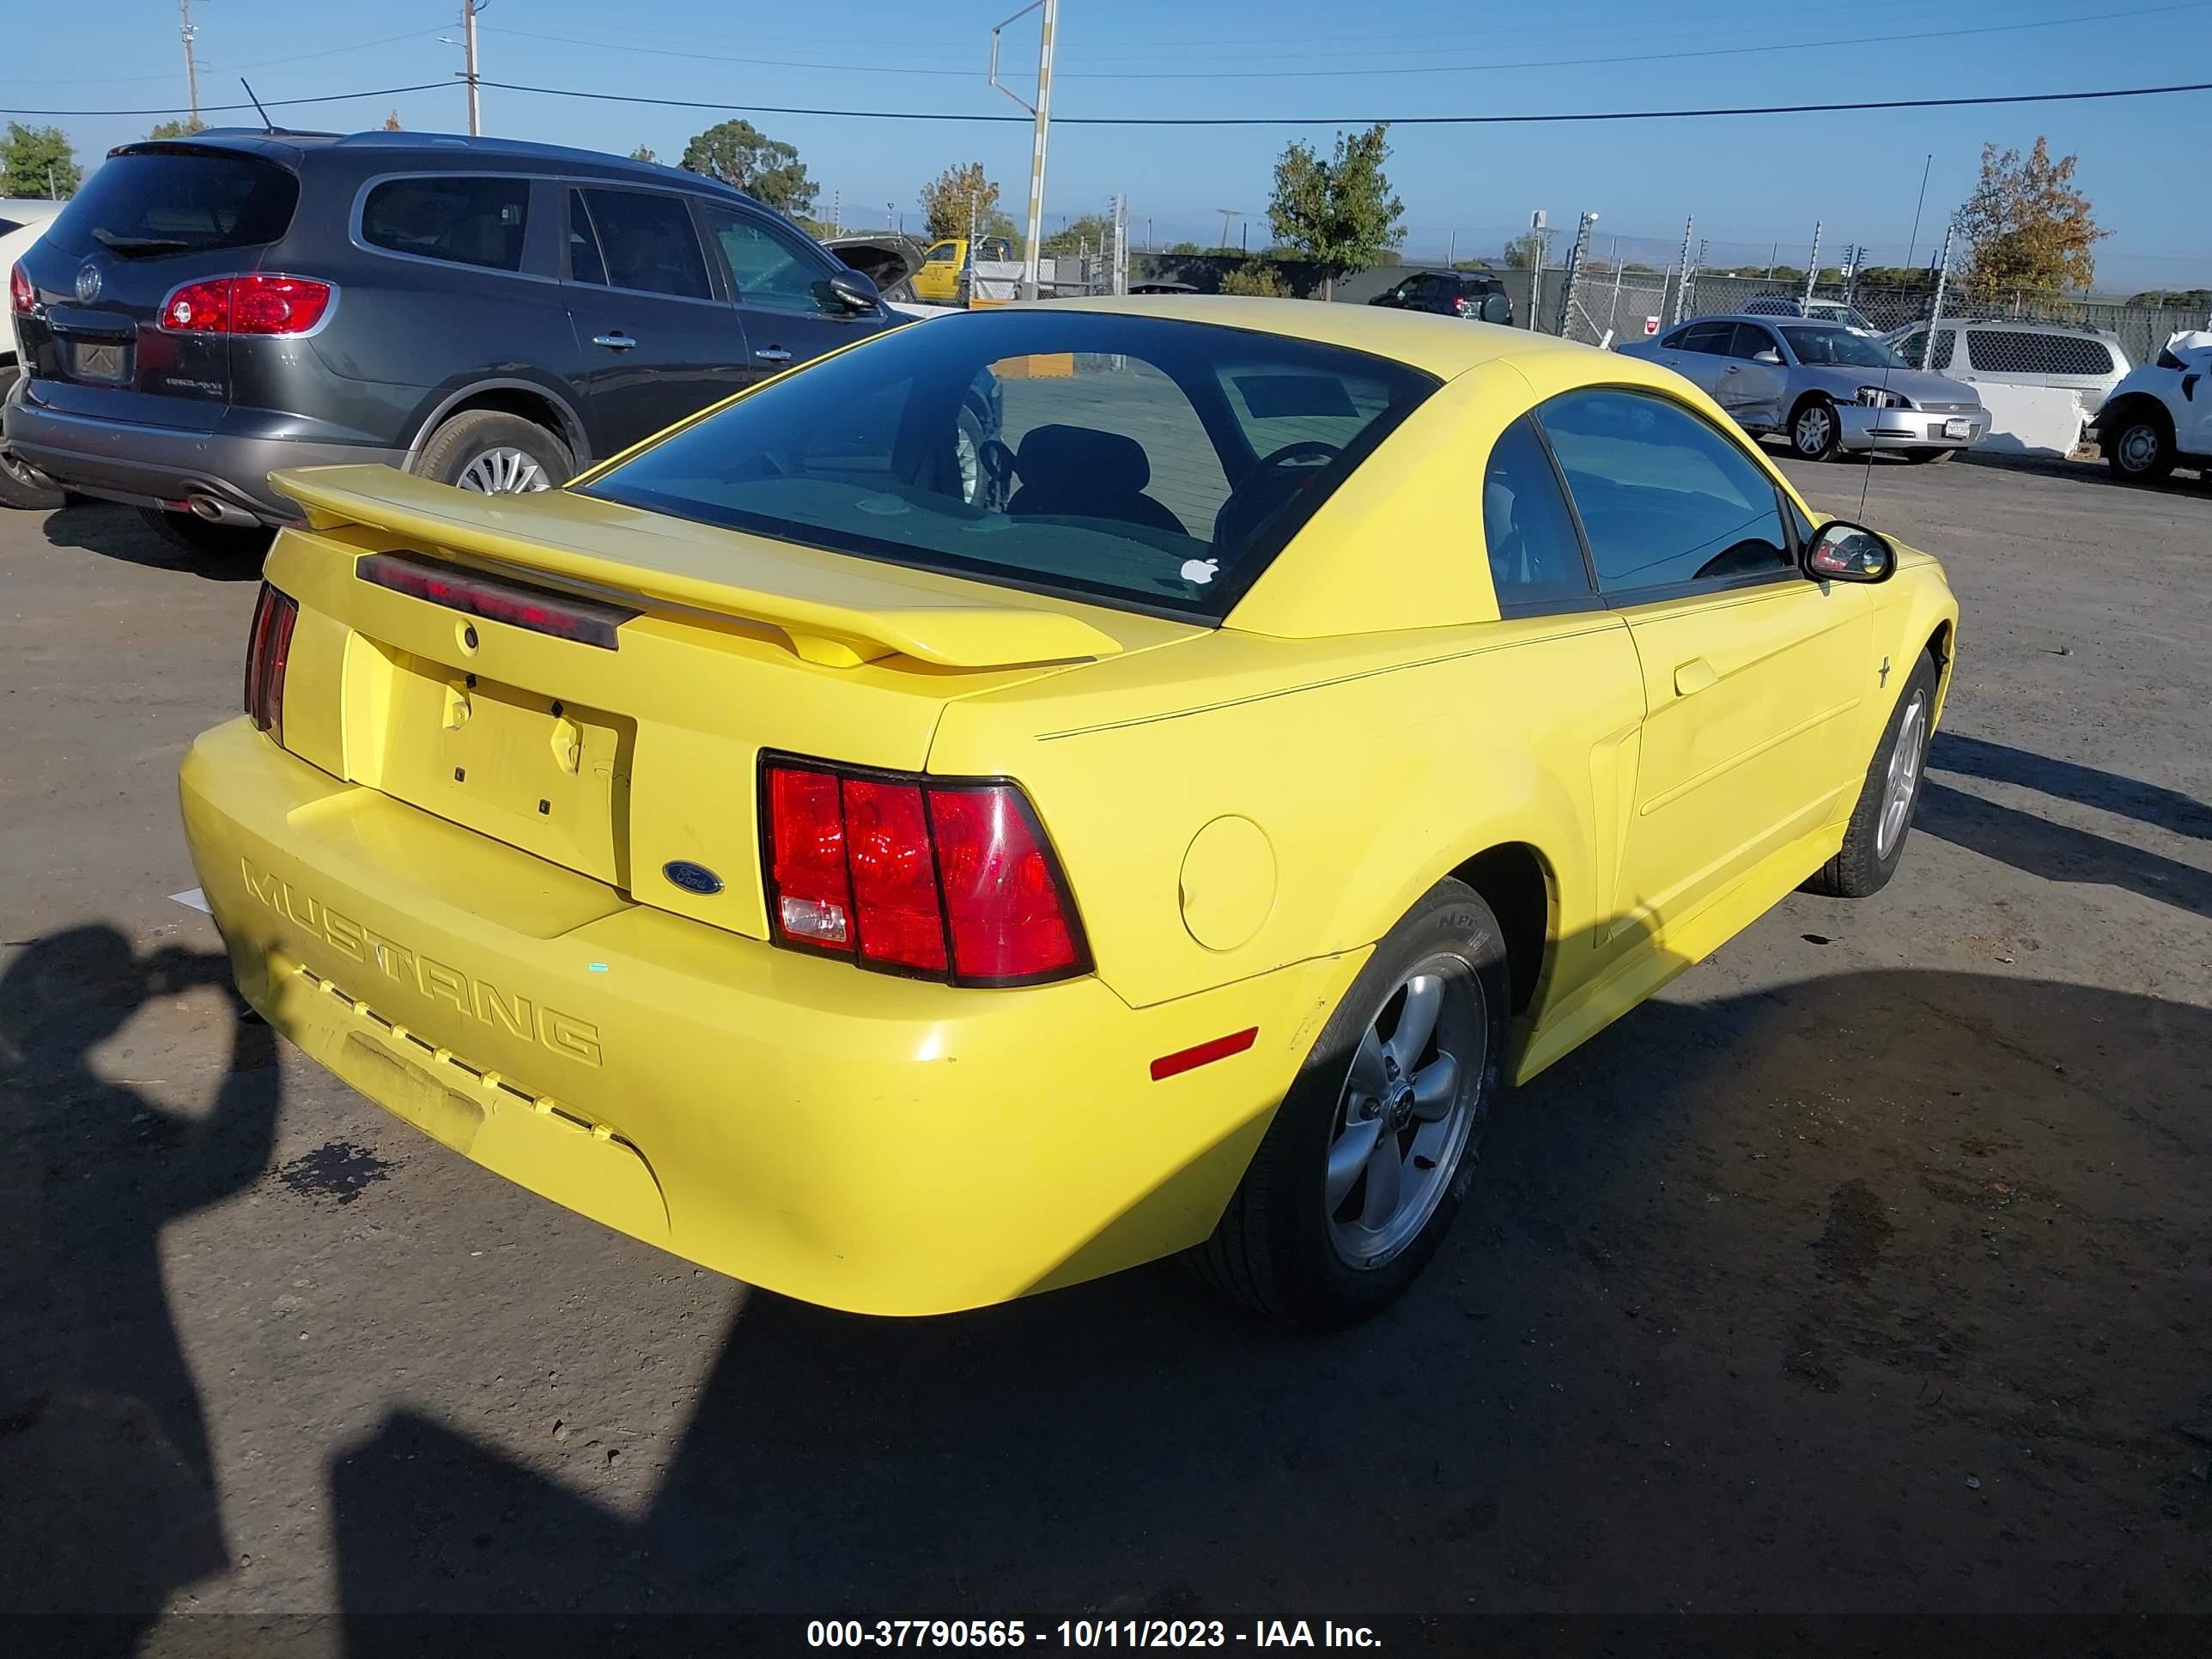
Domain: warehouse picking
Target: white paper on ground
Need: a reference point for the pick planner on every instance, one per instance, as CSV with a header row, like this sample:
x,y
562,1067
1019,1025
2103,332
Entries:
x,y
195,899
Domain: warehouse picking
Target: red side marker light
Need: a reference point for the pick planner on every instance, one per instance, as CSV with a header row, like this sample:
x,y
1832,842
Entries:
x,y
1204,1054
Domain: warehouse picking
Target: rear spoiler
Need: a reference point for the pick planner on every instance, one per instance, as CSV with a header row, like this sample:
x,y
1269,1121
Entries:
x,y
839,612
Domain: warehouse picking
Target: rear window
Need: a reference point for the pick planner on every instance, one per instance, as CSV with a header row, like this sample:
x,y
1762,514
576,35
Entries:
x,y
2025,351
468,222
155,203
1154,464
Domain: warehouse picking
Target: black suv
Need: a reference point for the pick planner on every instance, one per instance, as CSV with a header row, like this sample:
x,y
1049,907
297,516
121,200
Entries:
x,y
492,314
1474,294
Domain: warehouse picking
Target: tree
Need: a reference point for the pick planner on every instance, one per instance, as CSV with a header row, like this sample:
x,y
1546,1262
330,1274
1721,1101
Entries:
x,y
38,162
1186,249
643,153
1093,231
2174,299
1258,278
959,195
2027,228
1523,252
765,168
1338,213
184,128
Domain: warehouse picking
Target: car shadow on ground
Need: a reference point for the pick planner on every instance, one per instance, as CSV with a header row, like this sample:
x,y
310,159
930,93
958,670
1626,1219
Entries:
x,y
2058,466
1781,1301
114,531
2147,803
111,1500
2059,851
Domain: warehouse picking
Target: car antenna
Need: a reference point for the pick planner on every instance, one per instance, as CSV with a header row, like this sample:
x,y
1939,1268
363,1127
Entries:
x,y
267,125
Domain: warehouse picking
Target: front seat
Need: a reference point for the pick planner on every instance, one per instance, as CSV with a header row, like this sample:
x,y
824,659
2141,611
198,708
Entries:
x,y
1077,473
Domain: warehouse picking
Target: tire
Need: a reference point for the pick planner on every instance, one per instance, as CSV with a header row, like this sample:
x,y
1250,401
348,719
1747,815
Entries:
x,y
222,544
2141,451
1870,853
20,489
495,453
1280,1248
1928,456
1815,433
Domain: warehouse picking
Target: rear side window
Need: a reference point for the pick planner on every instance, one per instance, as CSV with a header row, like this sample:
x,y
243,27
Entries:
x,y
1535,557
2022,351
468,222
152,202
642,240
1710,337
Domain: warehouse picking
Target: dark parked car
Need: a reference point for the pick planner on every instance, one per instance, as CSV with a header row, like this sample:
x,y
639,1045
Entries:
x,y
1474,294
491,314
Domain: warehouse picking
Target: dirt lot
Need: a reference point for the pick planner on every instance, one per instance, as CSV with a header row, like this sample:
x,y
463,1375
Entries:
x,y
1866,1271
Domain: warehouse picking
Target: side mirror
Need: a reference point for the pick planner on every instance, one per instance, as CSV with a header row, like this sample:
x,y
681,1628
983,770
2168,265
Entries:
x,y
1844,552
1769,356
854,290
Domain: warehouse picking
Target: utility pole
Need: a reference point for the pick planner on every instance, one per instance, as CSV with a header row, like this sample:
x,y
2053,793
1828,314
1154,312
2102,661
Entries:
x,y
1120,245
1942,278
469,9
1813,265
1773,257
192,64
1682,268
1227,214
1576,259
1047,28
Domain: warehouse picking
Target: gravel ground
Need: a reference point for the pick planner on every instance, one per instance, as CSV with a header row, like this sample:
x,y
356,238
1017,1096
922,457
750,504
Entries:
x,y
1864,1272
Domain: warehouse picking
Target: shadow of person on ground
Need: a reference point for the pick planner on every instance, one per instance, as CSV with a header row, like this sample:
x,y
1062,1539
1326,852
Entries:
x,y
1751,1264
115,532
2058,851
2148,802
109,1490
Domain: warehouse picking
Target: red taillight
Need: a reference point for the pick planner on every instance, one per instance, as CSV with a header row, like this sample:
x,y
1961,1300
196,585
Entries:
x,y
1460,305
946,881
20,294
259,304
268,647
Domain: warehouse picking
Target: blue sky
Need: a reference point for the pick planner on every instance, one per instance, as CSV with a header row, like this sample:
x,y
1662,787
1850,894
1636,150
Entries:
x,y
1752,182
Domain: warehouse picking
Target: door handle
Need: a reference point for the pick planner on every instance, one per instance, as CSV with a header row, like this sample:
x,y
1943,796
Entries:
x,y
773,355
1693,676
616,341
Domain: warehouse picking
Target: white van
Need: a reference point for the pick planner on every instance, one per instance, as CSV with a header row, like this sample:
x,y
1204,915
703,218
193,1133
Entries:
x,y
2039,381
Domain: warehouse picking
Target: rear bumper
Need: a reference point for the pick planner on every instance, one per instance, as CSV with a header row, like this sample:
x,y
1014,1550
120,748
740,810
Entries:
x,y
869,1142
158,466
1905,429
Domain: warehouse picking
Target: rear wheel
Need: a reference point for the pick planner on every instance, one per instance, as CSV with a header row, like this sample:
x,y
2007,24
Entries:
x,y
492,452
1372,1150
2141,451
1815,431
228,543
1873,841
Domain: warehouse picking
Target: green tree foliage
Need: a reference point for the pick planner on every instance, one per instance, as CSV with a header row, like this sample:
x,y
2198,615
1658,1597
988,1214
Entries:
x,y
184,128
643,153
1093,231
1189,248
949,201
2028,230
1258,278
32,160
1523,252
2175,299
1339,212
765,168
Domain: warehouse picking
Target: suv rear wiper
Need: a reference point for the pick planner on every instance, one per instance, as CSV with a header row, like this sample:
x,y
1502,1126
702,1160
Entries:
x,y
132,246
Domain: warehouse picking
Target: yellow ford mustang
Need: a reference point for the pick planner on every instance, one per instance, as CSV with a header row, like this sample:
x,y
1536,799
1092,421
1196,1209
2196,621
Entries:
x,y
907,868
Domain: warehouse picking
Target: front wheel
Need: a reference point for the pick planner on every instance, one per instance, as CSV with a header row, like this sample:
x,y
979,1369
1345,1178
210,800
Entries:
x,y
1873,841
1371,1152
2141,451
1815,430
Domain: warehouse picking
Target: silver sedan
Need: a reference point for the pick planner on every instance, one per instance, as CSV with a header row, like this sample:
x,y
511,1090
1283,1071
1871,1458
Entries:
x,y
1824,386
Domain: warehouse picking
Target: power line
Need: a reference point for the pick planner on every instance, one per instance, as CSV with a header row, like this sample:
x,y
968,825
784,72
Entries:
x,y
1555,117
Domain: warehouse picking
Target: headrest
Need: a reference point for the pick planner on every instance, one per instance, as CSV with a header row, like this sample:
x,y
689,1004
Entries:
x,y
1063,460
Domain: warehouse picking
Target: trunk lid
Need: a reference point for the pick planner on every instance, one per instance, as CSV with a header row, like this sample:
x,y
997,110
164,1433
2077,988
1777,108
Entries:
x,y
152,219
595,685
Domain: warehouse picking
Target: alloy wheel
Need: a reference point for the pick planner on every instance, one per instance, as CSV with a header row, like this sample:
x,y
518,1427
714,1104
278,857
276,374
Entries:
x,y
504,470
1406,1109
1814,427
1902,787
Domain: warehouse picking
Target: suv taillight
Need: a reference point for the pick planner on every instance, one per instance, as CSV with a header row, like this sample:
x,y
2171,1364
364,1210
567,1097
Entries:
x,y
265,303
950,881
267,649
1459,304
20,294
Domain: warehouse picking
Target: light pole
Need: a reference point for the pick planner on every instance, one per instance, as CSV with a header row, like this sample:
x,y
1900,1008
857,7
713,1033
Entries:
x,y
1047,28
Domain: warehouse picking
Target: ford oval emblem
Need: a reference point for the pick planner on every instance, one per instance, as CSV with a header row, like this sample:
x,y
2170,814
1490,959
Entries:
x,y
692,877
88,282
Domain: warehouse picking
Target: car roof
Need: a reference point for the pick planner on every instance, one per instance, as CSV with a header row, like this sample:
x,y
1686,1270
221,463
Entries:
x,y
1444,346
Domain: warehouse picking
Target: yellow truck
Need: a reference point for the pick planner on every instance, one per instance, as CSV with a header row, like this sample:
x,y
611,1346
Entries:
x,y
938,282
